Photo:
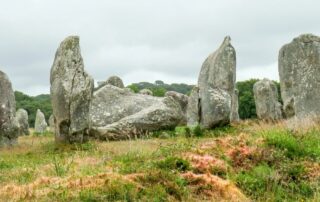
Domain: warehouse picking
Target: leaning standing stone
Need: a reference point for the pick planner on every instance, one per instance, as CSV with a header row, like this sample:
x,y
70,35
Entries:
x,y
9,130
40,125
71,92
22,118
266,99
217,86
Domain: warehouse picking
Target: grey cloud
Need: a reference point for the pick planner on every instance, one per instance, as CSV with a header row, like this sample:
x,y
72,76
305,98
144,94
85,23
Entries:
x,y
144,39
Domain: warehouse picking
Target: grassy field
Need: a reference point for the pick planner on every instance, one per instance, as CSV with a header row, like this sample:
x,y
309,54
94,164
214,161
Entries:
x,y
250,161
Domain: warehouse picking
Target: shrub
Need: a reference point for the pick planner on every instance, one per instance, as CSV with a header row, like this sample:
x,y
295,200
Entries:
x,y
187,132
160,185
197,131
174,163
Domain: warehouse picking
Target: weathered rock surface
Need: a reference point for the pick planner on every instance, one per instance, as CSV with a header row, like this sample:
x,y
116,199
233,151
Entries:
x,y
40,125
234,116
146,92
266,100
193,109
22,118
299,70
182,99
117,113
216,85
71,92
9,127
51,123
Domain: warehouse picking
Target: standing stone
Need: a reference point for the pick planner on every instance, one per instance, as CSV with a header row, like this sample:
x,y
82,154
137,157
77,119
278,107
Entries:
x,y
9,130
193,111
217,86
266,99
40,125
146,92
51,123
234,116
71,92
299,71
22,118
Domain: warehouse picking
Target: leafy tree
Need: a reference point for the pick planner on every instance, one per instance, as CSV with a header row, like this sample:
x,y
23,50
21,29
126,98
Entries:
x,y
159,88
31,104
134,87
158,91
159,82
247,107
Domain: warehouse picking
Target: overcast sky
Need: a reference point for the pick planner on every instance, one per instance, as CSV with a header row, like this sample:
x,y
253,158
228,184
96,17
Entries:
x,y
147,40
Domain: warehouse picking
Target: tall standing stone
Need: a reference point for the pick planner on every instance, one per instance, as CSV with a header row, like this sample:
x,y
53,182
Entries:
x,y
299,71
40,125
71,92
8,123
217,86
22,118
266,99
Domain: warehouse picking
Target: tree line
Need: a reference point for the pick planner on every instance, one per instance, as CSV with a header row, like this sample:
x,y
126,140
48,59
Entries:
x,y
247,108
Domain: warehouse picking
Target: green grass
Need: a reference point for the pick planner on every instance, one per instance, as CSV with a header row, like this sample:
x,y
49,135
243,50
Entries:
x,y
295,145
281,167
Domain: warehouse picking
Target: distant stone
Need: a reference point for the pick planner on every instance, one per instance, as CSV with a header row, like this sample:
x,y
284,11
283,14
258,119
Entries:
x,y
51,123
146,92
71,92
266,99
216,85
193,111
117,113
299,70
40,125
234,116
22,118
113,80
9,126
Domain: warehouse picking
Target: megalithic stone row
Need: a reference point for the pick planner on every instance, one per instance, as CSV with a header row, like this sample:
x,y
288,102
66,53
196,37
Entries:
x,y
71,93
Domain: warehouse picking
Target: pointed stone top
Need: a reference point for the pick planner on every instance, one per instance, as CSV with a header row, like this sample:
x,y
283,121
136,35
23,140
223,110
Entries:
x,y
70,42
227,40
